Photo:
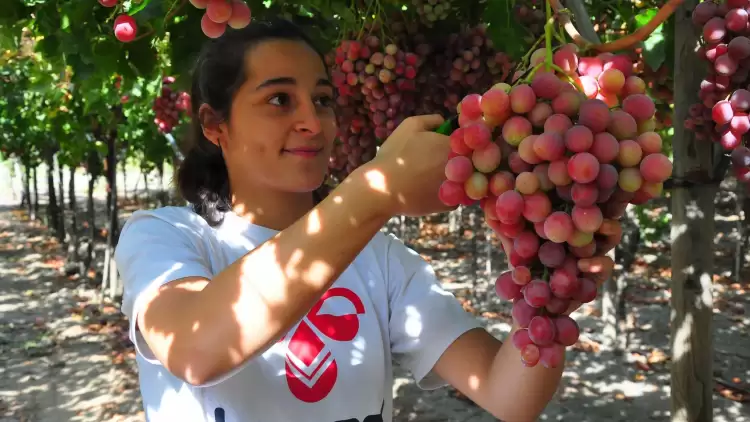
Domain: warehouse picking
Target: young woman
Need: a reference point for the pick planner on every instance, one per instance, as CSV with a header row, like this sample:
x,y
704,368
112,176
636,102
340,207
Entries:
x,y
260,303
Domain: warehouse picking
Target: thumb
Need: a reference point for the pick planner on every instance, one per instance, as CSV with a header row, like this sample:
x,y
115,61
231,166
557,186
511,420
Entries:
x,y
426,122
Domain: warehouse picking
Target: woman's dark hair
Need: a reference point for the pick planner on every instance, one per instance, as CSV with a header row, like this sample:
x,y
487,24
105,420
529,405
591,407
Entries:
x,y
219,73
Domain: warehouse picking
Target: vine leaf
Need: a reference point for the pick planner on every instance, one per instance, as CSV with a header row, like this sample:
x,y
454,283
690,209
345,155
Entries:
x,y
504,29
139,7
654,47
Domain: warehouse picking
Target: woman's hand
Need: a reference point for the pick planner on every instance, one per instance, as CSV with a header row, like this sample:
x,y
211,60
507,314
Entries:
x,y
597,268
410,166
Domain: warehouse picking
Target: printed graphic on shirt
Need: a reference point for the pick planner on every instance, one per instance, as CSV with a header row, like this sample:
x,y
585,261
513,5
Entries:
x,y
219,416
311,369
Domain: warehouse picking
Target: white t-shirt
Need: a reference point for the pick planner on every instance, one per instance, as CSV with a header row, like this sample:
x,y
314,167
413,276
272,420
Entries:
x,y
333,366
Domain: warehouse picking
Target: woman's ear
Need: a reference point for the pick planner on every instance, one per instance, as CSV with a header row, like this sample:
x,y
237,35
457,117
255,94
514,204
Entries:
x,y
212,125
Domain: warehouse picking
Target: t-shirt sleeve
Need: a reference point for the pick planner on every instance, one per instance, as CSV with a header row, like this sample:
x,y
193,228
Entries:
x,y
424,318
154,250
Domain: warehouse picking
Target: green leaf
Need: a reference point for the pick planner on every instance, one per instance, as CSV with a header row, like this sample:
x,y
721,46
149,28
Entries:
x,y
142,56
139,7
654,47
645,17
504,29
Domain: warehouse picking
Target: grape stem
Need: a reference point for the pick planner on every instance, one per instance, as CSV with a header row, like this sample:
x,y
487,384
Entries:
x,y
528,54
548,36
170,15
362,28
570,78
622,43
531,74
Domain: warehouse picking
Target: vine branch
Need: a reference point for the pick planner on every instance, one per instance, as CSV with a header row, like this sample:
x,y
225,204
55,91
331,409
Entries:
x,y
622,43
170,15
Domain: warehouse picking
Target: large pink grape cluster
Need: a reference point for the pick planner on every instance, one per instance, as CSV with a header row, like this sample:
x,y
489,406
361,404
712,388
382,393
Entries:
x,y
550,164
722,114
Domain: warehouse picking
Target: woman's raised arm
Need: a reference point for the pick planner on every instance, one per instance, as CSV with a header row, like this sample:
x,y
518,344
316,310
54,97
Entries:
x,y
246,307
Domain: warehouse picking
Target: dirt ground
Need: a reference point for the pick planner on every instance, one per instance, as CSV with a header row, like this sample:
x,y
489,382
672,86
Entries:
x,y
64,353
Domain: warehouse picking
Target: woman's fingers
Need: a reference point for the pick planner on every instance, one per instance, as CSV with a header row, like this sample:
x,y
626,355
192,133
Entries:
x,y
597,268
612,232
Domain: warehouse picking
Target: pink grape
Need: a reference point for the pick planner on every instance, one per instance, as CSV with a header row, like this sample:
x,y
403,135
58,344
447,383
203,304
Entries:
x,y
587,291
579,138
551,255
587,219
506,288
563,284
552,356
521,275
523,313
536,207
558,227
557,305
521,339
526,244
537,293
542,330
470,106
509,207
605,147
566,330
583,167
488,158
459,169
549,146
451,193
477,136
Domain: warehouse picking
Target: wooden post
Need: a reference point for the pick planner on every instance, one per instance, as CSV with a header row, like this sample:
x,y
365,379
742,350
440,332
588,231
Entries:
x,y
692,238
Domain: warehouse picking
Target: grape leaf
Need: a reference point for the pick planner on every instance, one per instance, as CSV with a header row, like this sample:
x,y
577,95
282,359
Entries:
x,y
503,28
139,7
654,47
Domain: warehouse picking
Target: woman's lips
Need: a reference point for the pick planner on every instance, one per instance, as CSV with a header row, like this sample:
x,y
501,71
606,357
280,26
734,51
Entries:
x,y
304,152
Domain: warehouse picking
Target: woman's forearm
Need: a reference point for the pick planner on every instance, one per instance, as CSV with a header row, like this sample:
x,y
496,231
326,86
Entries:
x,y
525,391
251,303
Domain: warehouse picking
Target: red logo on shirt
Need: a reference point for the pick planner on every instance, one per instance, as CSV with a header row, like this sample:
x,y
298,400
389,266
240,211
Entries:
x,y
311,370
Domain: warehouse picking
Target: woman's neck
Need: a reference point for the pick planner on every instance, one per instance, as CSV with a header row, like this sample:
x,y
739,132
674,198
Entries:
x,y
274,210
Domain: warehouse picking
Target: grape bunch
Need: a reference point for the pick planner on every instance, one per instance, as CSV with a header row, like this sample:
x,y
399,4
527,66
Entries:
x,y
376,89
722,115
550,165
169,105
531,15
462,63
220,13
431,11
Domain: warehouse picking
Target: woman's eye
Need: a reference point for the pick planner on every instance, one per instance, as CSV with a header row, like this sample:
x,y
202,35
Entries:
x,y
280,100
325,101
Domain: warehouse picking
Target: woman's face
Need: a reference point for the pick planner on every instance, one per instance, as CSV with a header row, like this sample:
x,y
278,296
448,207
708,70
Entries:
x,y
282,124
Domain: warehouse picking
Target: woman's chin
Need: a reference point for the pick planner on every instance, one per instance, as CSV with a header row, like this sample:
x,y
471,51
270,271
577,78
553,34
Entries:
x,y
309,184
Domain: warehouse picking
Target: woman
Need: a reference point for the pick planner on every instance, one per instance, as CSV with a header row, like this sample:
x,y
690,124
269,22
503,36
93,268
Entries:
x,y
259,303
